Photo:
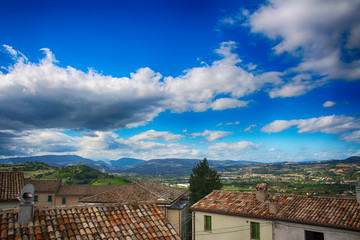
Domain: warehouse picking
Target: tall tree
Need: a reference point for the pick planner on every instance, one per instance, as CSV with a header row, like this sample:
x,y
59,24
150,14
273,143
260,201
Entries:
x,y
203,180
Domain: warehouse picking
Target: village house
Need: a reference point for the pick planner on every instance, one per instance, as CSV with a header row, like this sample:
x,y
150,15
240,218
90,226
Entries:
x,y
70,195
11,184
116,221
172,202
266,216
45,191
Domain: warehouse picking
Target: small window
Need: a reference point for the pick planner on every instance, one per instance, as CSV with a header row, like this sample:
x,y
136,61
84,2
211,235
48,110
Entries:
x,y
36,198
255,230
49,198
63,200
207,223
310,235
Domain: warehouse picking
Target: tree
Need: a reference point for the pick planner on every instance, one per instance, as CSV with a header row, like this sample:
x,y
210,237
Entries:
x,y
203,180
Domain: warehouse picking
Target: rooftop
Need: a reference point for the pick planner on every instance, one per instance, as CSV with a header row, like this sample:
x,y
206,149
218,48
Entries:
x,y
11,185
322,211
45,185
84,190
145,191
120,221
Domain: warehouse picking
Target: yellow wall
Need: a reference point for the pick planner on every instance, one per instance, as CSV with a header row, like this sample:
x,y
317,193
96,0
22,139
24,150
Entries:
x,y
228,227
43,200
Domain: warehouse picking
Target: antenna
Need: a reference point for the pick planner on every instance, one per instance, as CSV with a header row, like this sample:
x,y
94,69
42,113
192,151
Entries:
x,y
26,210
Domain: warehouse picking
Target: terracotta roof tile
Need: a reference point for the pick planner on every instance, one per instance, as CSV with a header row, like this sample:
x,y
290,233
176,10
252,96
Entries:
x,y
84,190
58,226
137,192
48,186
11,184
322,211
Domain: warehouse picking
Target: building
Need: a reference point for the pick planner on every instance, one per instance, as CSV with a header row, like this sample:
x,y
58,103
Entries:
x,y
116,221
172,202
69,195
261,215
11,184
45,191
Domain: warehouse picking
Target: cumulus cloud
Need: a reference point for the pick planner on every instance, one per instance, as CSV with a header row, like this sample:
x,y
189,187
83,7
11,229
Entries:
x,y
154,135
36,142
324,34
347,126
328,104
200,85
45,95
227,103
212,135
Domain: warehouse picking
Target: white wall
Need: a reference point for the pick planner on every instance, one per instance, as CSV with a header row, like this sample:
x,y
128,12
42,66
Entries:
x,y
228,227
294,231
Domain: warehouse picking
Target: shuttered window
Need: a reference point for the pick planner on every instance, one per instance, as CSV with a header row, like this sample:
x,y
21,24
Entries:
x,y
207,223
255,231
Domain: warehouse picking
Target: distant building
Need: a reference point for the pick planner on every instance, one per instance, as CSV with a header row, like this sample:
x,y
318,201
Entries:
x,y
11,184
172,202
45,191
70,195
116,221
262,215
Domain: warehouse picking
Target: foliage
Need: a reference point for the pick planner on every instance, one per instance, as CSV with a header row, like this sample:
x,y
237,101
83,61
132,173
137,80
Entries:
x,y
203,180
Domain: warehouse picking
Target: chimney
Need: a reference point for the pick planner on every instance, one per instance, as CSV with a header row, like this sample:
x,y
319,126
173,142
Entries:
x,y
274,204
261,192
26,210
358,193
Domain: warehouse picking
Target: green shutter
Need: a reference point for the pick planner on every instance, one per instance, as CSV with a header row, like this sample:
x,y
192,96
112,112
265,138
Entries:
x,y
255,230
207,223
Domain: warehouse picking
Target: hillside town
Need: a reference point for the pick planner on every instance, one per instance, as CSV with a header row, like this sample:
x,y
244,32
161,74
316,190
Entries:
x,y
148,210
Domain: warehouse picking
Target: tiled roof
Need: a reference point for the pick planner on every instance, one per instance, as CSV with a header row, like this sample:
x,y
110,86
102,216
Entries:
x,y
140,221
11,184
45,185
322,211
145,191
83,190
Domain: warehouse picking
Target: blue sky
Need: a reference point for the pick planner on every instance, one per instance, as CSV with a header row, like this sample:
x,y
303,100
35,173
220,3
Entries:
x,y
242,80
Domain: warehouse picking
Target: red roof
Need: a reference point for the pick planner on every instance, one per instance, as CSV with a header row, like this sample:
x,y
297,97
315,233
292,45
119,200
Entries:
x,y
136,192
323,211
45,186
11,184
138,221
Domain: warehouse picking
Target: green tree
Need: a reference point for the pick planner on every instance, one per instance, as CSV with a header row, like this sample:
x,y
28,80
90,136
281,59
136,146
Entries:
x,y
203,180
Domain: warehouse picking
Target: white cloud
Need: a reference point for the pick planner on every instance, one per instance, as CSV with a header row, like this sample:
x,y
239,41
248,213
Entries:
x,y
154,135
278,126
227,103
328,104
200,85
334,124
64,97
212,135
351,137
236,146
249,127
321,33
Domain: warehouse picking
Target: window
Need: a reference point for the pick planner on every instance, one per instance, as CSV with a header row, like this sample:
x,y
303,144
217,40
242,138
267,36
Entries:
x,y
36,198
255,230
207,223
310,235
63,200
49,198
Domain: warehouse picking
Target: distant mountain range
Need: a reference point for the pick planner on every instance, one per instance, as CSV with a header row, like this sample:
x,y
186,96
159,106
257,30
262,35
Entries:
x,y
169,166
